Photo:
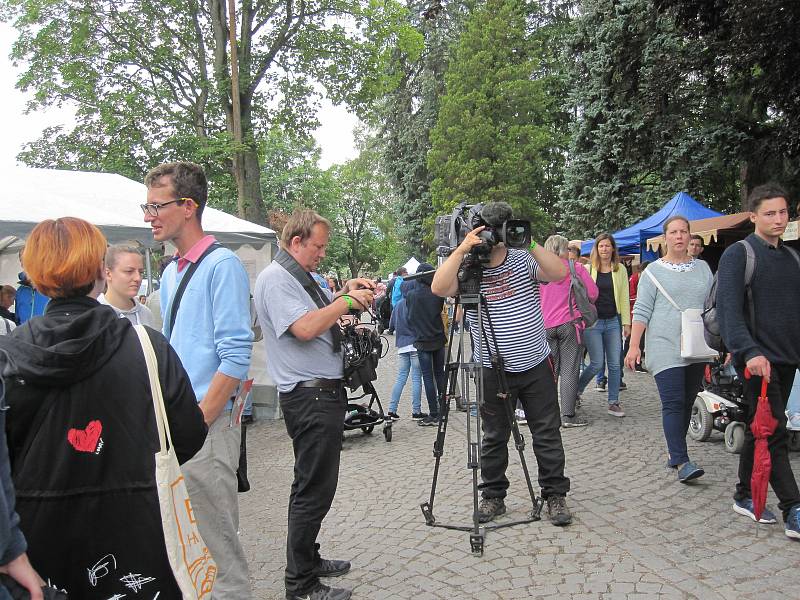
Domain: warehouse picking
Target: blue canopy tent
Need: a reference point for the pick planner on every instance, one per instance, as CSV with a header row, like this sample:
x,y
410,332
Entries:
x,y
633,239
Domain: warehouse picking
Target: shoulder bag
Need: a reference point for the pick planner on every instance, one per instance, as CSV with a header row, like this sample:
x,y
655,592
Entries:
x,y
191,562
693,342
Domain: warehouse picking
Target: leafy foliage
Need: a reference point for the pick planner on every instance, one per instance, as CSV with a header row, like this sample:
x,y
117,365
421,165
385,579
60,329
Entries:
x,y
495,133
651,119
150,80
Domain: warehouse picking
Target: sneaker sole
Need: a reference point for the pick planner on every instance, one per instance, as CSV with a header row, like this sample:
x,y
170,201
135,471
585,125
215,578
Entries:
x,y
693,475
743,511
497,513
616,414
791,533
567,425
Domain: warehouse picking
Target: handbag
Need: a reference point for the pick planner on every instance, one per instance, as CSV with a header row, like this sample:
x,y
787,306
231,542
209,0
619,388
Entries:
x,y
693,341
192,564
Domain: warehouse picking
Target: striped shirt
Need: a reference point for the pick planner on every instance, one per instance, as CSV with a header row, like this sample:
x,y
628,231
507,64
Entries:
x,y
511,291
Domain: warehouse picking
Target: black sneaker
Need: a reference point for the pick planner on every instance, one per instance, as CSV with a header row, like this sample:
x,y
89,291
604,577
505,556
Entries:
x,y
429,421
489,508
393,416
558,511
322,592
600,387
573,421
622,386
418,416
331,568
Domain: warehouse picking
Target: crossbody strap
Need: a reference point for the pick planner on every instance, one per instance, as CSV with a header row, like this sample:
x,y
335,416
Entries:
x,y
571,292
662,290
176,299
150,360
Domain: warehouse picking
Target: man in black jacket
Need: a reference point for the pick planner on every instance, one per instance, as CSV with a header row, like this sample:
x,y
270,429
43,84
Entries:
x,y
425,320
768,348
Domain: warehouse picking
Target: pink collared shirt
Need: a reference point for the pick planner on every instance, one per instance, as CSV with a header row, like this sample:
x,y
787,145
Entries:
x,y
195,252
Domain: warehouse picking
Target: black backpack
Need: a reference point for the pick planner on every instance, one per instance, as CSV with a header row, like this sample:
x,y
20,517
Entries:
x,y
711,331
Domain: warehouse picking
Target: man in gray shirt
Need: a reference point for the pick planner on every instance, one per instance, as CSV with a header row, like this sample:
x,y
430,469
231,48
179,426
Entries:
x,y
304,358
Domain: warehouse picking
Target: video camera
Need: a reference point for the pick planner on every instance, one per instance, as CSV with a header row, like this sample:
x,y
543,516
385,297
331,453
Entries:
x,y
495,216
499,227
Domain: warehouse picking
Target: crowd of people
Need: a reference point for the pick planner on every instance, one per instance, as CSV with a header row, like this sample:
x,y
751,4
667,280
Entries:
x,y
79,434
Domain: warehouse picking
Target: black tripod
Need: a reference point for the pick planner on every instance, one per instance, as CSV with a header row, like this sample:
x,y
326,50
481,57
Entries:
x,y
473,378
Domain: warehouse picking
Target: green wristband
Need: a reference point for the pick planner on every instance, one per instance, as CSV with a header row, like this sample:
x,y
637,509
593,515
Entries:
x,y
533,245
349,301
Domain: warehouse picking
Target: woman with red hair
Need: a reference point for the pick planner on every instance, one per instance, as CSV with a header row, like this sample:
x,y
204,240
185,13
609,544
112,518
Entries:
x,y
81,426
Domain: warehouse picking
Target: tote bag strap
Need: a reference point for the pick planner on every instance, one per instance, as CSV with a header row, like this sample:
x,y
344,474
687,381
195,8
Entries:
x,y
662,290
155,388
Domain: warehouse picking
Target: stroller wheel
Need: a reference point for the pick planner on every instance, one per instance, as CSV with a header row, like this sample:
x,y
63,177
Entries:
x,y
387,433
368,430
734,437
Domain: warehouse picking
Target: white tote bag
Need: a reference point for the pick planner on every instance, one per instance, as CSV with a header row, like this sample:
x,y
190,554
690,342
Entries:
x,y
189,557
693,340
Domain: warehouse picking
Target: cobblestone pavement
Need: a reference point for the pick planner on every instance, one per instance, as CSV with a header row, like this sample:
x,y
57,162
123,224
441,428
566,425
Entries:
x,y
637,533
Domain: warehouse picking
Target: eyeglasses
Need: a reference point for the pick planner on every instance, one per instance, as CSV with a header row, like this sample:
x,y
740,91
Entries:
x,y
152,209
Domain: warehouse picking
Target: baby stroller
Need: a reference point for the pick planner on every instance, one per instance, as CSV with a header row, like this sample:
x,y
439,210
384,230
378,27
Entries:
x,y
720,406
363,348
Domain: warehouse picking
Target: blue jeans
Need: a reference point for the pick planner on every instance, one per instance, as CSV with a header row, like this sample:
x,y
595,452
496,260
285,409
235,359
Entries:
x,y
431,363
408,361
678,389
603,341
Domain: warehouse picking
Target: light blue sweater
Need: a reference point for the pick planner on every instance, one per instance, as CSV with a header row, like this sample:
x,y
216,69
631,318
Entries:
x,y
663,321
212,328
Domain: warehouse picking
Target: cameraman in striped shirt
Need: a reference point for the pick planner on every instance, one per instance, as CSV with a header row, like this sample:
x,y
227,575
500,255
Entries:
x,y
510,298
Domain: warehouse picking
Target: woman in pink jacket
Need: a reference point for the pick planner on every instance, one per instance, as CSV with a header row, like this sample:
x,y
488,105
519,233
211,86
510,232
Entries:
x,y
565,330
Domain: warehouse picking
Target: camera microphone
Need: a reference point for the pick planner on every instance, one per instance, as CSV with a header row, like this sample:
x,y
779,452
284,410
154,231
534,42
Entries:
x,y
494,214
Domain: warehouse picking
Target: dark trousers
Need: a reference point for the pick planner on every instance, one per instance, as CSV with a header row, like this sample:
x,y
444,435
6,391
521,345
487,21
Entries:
x,y
536,391
781,478
678,389
314,419
431,363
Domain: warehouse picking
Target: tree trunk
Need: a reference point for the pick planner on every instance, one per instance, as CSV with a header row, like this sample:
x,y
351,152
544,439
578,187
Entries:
x,y
248,176
248,183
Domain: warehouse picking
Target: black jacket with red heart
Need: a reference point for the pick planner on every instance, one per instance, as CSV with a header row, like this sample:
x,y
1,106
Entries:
x,y
82,438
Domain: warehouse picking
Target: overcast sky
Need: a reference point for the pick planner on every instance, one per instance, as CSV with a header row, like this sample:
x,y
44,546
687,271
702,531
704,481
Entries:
x,y
335,136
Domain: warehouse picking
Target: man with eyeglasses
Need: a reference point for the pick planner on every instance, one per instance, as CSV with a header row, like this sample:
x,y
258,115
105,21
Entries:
x,y
210,331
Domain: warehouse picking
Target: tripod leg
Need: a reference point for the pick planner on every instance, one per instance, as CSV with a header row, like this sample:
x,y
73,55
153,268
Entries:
x,y
444,400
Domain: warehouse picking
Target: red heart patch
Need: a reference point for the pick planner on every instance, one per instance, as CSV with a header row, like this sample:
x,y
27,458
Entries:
x,y
85,440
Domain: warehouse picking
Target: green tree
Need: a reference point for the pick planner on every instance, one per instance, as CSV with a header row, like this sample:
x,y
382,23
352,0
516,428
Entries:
x,y
650,119
406,115
757,57
495,133
151,80
364,195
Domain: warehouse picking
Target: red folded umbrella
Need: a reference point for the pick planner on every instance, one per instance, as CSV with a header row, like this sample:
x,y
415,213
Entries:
x,y
763,426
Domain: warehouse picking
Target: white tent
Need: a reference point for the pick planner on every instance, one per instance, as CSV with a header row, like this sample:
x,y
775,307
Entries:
x,y
411,265
112,202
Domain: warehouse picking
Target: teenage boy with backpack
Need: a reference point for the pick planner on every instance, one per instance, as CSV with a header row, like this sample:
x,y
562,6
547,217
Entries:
x,y
769,347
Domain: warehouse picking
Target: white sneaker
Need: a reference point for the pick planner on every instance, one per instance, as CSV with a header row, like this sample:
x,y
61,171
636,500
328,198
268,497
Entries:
x,y
520,415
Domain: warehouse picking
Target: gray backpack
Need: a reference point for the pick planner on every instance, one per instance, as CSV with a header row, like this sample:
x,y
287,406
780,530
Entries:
x,y
579,296
711,330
